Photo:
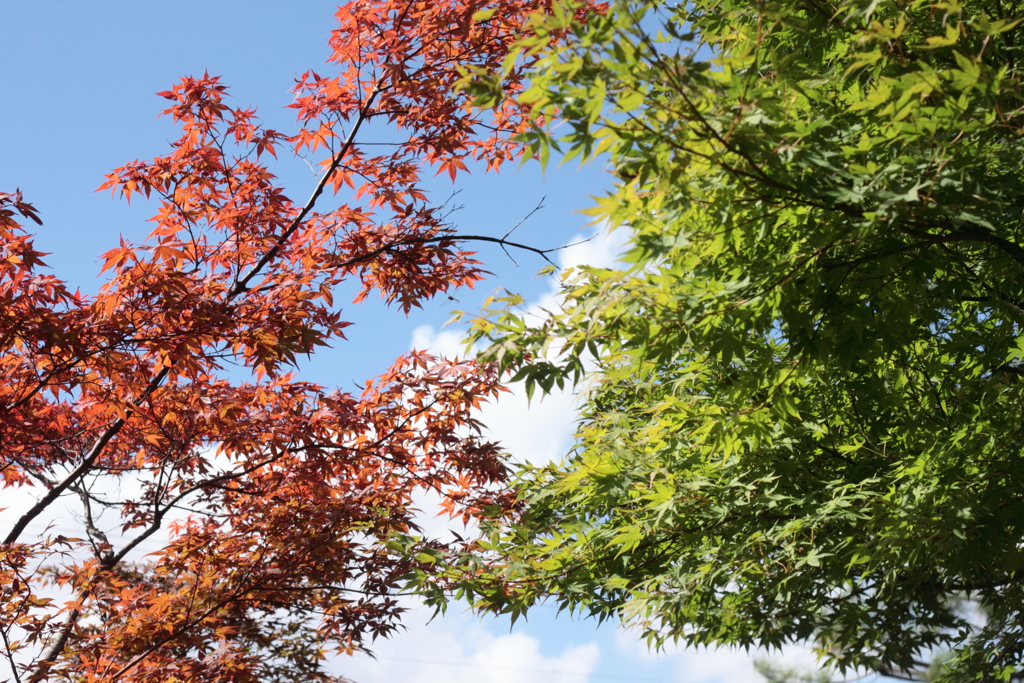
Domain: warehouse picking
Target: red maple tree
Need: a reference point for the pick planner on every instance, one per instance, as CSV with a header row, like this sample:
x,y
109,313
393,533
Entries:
x,y
287,503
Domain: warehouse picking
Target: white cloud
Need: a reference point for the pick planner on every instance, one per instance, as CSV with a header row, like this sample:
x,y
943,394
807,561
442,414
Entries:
x,y
460,647
714,665
537,432
601,249
433,521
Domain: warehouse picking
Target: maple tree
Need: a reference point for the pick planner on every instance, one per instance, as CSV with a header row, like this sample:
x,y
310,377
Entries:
x,y
802,416
289,506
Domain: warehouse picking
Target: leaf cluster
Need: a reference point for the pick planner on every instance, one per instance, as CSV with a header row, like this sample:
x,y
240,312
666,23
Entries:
x,y
803,417
164,406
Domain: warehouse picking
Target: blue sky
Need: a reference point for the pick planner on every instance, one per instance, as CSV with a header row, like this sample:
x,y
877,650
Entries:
x,y
79,84
77,87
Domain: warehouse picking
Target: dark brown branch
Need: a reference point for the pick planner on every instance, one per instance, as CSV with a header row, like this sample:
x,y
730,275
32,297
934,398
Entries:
x,y
543,253
9,654
87,462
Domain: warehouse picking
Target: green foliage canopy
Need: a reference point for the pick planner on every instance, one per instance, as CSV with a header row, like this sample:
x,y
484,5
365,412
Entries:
x,y
805,416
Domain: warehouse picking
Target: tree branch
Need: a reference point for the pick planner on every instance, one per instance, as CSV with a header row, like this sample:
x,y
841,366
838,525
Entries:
x,y
240,287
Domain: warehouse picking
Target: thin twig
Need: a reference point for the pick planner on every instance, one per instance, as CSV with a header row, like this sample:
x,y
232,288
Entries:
x,y
537,208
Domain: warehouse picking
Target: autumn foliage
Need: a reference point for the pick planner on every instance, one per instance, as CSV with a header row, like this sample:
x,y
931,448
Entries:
x,y
288,504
